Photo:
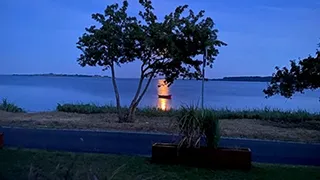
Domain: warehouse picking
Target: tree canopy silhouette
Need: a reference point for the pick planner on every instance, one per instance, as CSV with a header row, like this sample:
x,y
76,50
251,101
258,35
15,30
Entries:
x,y
167,48
302,75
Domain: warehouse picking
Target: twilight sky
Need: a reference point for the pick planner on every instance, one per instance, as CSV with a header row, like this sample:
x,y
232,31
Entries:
x,y
39,36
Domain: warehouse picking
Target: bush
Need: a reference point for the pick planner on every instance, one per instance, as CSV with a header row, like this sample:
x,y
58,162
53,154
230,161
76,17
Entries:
x,y
10,107
86,108
194,123
268,114
190,126
211,128
93,108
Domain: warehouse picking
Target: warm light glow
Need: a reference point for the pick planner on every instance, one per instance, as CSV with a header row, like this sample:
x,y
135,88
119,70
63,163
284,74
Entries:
x,y
163,104
163,89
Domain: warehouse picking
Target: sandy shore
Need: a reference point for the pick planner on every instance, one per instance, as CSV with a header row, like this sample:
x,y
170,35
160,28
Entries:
x,y
249,128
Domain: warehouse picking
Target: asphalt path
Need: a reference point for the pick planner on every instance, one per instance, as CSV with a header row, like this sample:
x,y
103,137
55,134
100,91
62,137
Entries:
x,y
133,143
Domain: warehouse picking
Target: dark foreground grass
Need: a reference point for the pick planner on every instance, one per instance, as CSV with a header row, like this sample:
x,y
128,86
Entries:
x,y
20,164
263,114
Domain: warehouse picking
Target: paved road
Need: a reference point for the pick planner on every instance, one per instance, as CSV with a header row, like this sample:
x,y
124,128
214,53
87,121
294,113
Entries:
x,y
140,144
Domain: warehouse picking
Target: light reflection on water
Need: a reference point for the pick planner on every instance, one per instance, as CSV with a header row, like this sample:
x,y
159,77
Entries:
x,y
163,103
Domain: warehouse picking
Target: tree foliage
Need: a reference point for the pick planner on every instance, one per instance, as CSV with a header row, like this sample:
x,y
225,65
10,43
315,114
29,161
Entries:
x,y
167,48
302,75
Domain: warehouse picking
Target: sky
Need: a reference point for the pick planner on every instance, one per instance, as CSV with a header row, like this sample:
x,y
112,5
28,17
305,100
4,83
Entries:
x,y
39,36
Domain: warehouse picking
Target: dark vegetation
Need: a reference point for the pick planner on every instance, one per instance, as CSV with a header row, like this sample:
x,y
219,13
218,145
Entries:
x,y
10,107
264,114
300,76
165,48
21,164
224,113
194,123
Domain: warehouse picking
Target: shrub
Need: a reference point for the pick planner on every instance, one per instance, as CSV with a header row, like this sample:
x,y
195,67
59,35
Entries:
x,y
268,114
85,108
211,128
190,126
194,124
90,108
10,107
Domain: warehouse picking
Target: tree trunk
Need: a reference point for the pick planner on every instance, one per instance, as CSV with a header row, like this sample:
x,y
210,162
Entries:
x,y
145,89
131,113
116,92
135,102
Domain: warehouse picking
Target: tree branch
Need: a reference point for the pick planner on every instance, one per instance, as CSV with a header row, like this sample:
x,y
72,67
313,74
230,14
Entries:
x,y
145,89
139,85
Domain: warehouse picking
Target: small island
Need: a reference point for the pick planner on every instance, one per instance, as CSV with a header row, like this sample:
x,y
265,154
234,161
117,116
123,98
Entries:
x,y
62,75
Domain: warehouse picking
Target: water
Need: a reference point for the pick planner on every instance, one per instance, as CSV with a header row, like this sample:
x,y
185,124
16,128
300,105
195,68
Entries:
x,y
43,93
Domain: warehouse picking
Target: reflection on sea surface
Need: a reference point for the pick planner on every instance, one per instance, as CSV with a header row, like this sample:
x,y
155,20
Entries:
x,y
163,103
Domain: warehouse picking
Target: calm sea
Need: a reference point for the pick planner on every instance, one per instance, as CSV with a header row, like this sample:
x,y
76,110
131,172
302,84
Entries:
x,y
35,93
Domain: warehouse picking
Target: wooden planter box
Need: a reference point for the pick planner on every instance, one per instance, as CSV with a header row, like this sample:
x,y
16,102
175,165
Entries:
x,y
1,140
224,158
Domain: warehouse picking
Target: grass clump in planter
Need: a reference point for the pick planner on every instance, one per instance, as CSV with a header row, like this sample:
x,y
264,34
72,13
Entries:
x,y
194,124
211,128
10,107
190,127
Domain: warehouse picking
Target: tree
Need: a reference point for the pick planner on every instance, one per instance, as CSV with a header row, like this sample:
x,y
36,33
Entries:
x,y
299,77
167,48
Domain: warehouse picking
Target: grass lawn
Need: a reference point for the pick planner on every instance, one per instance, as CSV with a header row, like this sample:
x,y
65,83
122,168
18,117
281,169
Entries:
x,y
34,164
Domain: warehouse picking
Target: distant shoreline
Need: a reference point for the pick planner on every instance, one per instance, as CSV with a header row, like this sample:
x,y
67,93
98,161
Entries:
x,y
245,78
234,78
61,75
